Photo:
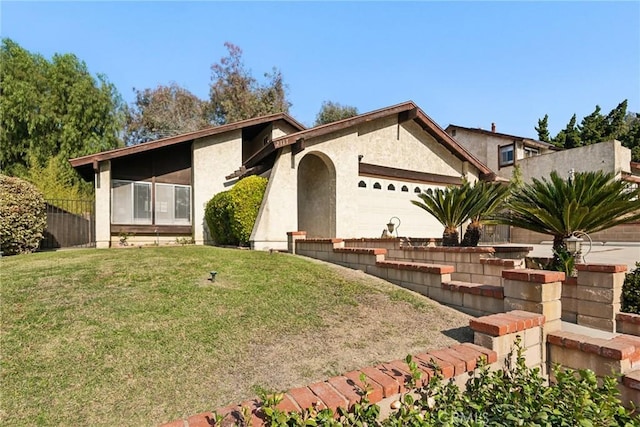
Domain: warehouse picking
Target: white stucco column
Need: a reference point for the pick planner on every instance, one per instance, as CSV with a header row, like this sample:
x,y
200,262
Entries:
x,y
103,204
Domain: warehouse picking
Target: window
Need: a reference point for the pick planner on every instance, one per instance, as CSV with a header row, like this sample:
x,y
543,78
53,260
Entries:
x,y
391,187
531,152
505,155
173,204
377,186
131,203
404,188
362,184
417,190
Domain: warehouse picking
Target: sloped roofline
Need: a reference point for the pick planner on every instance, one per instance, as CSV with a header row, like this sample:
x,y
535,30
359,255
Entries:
x,y
406,111
528,141
185,137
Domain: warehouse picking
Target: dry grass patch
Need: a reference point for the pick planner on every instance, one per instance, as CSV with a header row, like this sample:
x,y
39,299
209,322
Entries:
x,y
140,337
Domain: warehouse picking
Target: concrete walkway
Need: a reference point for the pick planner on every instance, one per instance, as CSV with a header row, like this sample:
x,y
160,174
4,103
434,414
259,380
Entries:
x,y
608,253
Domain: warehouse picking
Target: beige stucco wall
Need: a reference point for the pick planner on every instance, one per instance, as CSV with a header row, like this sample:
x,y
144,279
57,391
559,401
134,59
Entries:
x,y
278,213
483,147
213,159
360,212
609,156
103,204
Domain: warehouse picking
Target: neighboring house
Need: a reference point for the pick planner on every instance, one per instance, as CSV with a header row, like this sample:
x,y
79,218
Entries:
x,y
537,159
345,179
499,151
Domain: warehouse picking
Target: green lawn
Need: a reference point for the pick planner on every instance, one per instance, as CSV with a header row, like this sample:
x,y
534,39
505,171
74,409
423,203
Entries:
x,y
140,336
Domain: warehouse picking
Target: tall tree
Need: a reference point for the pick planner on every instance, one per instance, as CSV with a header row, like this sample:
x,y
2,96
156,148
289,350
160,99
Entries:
x,y
615,121
162,112
332,112
631,139
53,108
570,135
543,129
236,95
593,127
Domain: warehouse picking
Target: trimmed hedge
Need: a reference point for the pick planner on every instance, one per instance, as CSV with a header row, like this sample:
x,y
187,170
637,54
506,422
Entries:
x,y
231,214
631,291
23,216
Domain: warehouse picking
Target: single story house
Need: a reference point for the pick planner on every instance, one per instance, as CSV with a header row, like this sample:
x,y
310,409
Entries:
x,y
347,178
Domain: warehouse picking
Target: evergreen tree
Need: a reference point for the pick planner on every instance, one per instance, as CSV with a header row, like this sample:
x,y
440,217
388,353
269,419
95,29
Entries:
x,y
615,122
593,127
543,129
572,134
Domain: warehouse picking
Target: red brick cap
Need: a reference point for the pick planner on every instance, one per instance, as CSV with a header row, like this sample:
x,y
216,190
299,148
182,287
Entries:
x,y
618,348
602,268
506,323
417,266
365,251
534,276
296,233
321,241
628,318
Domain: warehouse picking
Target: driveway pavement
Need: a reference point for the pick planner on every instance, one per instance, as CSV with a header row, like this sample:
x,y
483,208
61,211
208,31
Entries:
x,y
609,253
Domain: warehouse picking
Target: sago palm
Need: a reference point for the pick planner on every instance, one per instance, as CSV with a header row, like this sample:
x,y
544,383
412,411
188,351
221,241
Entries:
x,y
450,207
588,202
487,198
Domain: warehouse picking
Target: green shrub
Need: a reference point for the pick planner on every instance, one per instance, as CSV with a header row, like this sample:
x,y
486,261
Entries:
x,y
631,291
247,196
231,214
513,396
23,216
218,217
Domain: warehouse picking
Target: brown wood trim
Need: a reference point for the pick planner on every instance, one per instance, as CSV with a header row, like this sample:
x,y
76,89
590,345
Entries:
x,y
152,145
368,169
151,229
341,124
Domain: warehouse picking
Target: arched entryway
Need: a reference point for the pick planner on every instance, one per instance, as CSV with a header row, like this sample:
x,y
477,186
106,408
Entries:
x,y
317,196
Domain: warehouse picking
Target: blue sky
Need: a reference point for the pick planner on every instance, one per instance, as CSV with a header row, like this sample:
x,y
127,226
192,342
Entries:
x,y
468,63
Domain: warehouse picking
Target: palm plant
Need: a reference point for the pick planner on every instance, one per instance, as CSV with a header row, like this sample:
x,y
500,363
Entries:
x,y
488,198
450,207
588,202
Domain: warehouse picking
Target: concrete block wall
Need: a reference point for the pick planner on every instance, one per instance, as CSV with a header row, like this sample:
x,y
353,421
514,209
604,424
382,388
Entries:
x,y
598,292
434,280
617,355
628,323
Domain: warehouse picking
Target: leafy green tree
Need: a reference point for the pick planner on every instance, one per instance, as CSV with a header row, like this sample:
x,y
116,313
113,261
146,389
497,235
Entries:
x,y
162,112
332,112
590,202
53,108
236,95
543,129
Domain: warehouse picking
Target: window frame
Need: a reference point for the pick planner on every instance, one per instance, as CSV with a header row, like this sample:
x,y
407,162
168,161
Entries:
x,y
153,203
506,148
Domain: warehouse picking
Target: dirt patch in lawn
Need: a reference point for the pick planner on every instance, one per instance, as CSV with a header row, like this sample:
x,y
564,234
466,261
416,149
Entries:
x,y
386,324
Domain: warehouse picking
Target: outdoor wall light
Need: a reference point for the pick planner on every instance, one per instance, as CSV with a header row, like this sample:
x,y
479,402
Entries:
x,y
391,226
574,244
